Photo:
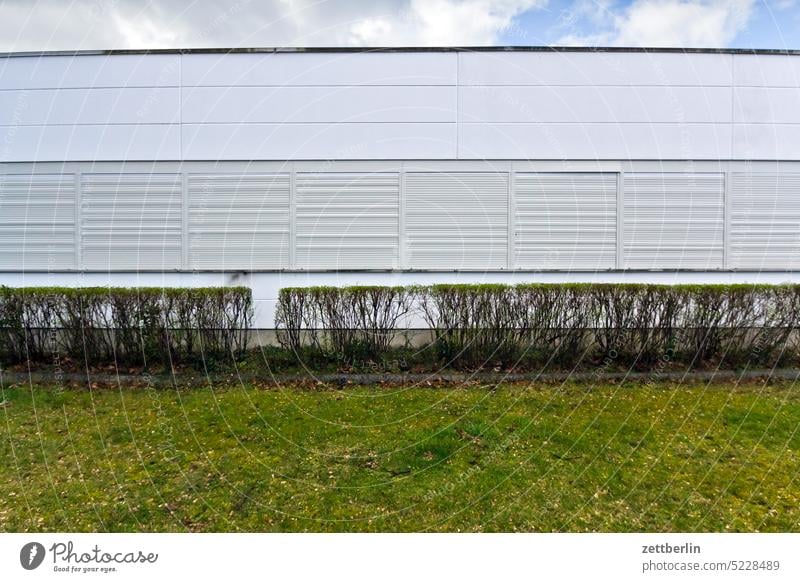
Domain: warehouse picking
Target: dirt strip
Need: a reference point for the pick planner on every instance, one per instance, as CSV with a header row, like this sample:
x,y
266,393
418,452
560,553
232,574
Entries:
x,y
189,379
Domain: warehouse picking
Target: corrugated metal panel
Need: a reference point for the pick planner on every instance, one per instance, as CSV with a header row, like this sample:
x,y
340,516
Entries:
x,y
673,221
347,220
565,221
37,221
131,221
456,220
238,221
765,221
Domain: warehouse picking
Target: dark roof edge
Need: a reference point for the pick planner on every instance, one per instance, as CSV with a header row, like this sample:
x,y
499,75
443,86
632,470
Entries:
x,y
279,50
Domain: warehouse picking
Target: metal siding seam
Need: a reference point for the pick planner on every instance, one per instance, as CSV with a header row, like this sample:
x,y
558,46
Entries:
x,y
78,212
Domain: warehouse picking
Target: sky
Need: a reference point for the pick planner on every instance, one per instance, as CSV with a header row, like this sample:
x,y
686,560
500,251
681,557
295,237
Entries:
x,y
34,25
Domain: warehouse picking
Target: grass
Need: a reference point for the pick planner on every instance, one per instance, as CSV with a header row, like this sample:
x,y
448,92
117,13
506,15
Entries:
x,y
514,458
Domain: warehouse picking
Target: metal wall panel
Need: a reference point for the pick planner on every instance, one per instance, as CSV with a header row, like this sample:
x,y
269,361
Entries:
x,y
61,143
594,141
37,222
318,141
286,69
512,105
766,70
131,221
765,221
319,104
673,221
90,106
66,72
594,104
593,68
347,220
238,221
768,105
454,216
456,220
565,221
765,141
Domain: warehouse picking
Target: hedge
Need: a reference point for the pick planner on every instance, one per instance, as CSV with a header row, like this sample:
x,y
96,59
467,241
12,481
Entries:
x,y
126,325
341,319
473,325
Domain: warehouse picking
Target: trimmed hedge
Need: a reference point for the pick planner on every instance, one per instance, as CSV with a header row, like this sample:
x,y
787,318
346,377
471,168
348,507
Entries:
x,y
343,320
135,325
471,325
476,325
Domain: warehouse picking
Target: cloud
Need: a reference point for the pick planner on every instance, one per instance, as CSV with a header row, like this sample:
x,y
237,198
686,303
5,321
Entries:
x,y
670,23
83,24
443,22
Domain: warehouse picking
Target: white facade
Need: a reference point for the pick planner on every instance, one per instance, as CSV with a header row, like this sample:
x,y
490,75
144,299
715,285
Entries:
x,y
468,105
276,168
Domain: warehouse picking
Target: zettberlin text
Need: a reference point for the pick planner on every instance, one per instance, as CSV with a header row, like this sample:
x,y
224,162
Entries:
x,y
667,548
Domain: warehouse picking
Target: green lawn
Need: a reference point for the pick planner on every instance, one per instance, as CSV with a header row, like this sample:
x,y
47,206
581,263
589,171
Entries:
x,y
516,458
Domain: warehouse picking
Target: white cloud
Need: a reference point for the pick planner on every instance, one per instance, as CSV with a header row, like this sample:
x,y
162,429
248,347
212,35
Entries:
x,y
80,24
444,22
672,23
144,31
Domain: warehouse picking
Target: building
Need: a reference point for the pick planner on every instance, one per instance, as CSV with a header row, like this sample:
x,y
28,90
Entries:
x,y
279,167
